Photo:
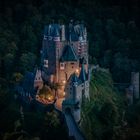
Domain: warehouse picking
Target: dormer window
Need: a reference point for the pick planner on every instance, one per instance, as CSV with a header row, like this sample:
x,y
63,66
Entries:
x,y
46,63
62,66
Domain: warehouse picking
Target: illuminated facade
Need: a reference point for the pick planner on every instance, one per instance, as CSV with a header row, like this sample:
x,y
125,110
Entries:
x,y
64,55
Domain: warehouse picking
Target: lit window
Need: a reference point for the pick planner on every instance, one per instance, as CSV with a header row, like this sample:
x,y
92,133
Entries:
x,y
62,66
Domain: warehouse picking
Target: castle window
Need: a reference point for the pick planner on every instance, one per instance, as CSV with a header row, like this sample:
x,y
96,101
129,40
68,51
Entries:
x,y
62,66
72,65
46,63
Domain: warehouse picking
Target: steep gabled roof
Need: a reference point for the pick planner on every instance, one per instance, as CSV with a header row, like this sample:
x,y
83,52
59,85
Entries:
x,y
68,54
74,79
52,30
28,82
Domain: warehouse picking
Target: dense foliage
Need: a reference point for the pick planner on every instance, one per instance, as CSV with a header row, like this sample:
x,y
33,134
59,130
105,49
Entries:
x,y
113,32
114,43
34,125
101,116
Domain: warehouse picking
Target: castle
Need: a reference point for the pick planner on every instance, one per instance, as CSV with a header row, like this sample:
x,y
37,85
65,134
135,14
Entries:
x,y
64,61
64,64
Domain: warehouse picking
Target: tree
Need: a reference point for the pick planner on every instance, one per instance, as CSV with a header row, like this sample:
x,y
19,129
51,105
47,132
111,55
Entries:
x,y
53,127
51,120
123,46
12,48
121,69
29,39
102,113
9,62
107,59
3,47
27,61
17,77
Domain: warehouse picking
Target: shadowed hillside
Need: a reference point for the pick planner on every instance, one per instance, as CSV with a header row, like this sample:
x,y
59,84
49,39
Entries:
x,y
102,115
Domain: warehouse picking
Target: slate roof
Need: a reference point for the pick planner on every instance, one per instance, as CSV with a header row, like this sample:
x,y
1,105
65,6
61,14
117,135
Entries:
x,y
74,79
82,75
68,54
72,32
52,30
28,82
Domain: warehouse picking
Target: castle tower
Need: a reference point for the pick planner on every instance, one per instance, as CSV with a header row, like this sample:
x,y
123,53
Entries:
x,y
50,50
73,97
64,51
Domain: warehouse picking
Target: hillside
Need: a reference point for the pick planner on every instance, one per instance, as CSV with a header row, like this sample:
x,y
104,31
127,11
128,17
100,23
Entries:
x,y
101,116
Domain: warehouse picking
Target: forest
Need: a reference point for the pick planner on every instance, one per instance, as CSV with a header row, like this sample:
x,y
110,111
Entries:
x,y
113,28
113,33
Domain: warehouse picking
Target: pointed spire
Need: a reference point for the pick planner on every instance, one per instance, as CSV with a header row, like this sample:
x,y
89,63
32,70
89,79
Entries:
x,y
82,75
68,54
70,29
